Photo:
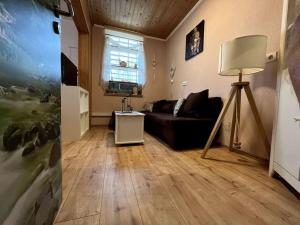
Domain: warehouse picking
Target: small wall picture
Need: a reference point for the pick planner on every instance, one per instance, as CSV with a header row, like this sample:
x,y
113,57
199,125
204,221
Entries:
x,y
195,41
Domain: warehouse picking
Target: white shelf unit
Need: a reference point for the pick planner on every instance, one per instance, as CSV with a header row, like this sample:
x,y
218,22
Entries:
x,y
74,112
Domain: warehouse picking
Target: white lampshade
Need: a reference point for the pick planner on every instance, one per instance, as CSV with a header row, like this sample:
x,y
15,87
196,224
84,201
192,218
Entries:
x,y
246,55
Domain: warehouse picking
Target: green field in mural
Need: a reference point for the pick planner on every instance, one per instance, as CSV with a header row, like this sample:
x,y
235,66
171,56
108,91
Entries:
x,y
30,152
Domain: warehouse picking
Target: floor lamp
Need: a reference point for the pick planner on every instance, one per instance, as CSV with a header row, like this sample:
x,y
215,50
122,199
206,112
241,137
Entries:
x,y
241,56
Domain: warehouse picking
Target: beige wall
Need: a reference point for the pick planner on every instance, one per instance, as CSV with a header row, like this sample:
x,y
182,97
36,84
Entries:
x,y
225,20
155,89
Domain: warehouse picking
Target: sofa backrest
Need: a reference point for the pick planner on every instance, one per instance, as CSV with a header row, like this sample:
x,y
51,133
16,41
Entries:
x,y
164,106
215,107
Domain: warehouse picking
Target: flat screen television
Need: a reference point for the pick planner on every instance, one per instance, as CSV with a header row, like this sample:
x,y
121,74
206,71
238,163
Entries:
x,y
69,71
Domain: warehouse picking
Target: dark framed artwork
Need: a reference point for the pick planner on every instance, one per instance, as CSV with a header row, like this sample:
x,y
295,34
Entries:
x,y
195,41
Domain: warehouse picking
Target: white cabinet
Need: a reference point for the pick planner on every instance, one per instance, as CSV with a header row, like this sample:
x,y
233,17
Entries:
x,y
285,155
286,145
74,112
129,128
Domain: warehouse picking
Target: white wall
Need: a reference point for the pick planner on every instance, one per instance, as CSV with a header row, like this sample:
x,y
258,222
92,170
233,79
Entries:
x,y
69,37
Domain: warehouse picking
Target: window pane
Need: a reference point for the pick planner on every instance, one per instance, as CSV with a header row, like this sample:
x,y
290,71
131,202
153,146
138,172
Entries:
x,y
113,57
124,75
131,55
123,49
114,52
124,54
115,62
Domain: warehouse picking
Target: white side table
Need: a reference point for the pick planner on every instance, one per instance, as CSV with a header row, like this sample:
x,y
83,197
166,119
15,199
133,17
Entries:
x,y
129,128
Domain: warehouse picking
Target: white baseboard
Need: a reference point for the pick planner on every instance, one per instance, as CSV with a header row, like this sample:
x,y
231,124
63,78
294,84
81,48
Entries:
x,y
101,114
100,118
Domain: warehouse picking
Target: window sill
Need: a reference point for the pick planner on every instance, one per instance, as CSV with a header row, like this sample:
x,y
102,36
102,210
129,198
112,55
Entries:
x,y
123,95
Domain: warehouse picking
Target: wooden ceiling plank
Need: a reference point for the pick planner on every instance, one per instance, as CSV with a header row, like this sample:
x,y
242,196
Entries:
x,y
119,11
100,10
170,18
147,10
130,9
113,10
111,15
90,10
123,6
185,12
132,13
157,19
100,6
151,17
107,12
123,12
138,14
172,22
150,14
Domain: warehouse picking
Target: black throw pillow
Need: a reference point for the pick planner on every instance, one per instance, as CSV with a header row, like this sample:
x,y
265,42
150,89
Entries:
x,y
195,105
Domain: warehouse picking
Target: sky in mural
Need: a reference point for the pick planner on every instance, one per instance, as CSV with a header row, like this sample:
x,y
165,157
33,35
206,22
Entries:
x,y
16,30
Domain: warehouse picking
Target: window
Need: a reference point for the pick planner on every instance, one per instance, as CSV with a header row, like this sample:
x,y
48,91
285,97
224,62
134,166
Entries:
x,y
123,61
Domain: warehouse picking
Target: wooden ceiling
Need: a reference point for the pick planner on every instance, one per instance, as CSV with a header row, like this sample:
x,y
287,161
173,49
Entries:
x,y
155,18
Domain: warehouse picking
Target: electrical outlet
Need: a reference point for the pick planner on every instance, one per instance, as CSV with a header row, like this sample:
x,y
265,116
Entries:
x,y
273,56
227,126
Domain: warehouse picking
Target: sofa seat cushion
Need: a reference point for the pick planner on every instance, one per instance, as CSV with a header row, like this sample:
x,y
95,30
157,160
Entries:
x,y
179,132
169,120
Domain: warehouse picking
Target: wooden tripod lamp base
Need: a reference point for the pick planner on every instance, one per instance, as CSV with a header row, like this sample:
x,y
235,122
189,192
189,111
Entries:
x,y
241,56
236,92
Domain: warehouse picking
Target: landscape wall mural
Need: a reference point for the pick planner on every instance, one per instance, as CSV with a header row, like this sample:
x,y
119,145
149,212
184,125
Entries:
x,y
30,165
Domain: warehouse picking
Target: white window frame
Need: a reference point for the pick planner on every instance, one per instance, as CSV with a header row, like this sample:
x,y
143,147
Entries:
x,y
129,48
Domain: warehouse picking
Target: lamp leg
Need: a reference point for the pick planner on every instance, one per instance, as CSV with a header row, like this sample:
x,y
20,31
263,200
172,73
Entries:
x,y
233,123
237,143
257,118
219,121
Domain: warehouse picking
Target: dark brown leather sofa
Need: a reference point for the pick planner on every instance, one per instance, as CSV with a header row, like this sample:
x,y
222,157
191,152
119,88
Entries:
x,y
183,131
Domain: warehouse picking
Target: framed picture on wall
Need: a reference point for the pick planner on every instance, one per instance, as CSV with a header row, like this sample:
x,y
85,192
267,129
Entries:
x,y
195,41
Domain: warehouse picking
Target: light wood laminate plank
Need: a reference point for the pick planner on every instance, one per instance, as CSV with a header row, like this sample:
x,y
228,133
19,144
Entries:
x,y
151,184
156,206
90,220
119,204
85,196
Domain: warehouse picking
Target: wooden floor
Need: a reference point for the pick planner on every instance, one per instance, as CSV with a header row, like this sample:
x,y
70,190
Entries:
x,y
151,185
